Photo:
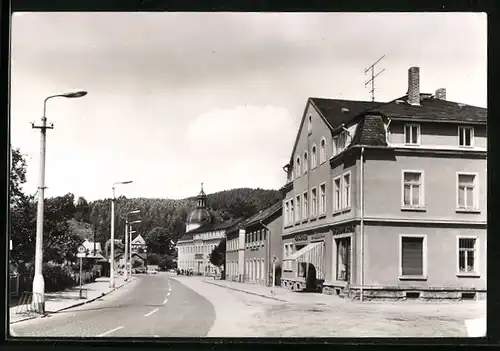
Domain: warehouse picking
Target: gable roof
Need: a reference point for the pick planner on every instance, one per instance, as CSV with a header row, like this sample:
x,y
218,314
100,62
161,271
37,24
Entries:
x,y
141,256
262,215
336,112
138,240
208,227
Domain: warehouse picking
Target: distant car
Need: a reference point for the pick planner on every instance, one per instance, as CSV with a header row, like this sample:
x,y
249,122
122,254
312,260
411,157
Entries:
x,y
140,270
151,271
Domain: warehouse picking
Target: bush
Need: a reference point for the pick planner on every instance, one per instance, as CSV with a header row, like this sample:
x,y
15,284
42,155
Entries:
x,y
57,277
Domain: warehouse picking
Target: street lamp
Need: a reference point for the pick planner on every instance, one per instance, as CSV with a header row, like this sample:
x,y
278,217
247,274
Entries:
x,y
130,243
126,256
112,258
38,281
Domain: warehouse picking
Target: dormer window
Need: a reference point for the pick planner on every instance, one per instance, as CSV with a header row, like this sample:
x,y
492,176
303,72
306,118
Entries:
x,y
309,124
465,136
412,134
339,142
306,163
297,167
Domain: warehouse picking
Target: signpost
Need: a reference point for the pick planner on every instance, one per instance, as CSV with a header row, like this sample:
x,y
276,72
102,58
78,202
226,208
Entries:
x,y
81,254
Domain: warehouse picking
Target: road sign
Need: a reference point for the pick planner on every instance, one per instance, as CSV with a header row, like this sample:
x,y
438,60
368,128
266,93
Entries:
x,y
81,249
81,254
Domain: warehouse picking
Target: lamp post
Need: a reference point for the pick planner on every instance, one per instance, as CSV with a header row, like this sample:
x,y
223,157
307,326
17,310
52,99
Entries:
x,y
130,242
112,257
126,242
38,281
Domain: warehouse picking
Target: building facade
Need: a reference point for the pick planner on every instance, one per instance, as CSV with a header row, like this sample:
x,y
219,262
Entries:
x,y
138,245
388,200
202,236
253,245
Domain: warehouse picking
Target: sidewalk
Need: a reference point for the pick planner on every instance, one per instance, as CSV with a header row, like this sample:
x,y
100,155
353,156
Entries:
x,y
62,300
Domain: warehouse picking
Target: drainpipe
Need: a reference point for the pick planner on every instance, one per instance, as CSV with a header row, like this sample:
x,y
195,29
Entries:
x,y
362,229
268,248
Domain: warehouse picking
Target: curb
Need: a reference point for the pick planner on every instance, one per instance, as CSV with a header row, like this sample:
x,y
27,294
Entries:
x,y
72,306
247,292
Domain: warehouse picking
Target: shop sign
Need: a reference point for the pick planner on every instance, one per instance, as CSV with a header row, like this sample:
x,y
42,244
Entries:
x,y
301,237
343,229
318,236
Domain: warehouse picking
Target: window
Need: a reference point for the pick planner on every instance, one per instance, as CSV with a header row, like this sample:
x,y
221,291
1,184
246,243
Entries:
x,y
287,213
343,259
322,198
339,142
337,202
314,157
297,167
466,136
347,190
305,207
287,265
298,213
292,213
412,134
306,163
467,255
413,189
413,260
309,124
314,201
466,196
322,151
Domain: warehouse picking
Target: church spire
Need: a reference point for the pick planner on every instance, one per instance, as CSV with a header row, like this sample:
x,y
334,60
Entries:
x,y
202,198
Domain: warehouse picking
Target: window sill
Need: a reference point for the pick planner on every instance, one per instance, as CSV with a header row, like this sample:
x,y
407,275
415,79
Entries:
x,y
466,146
467,210
305,221
297,223
413,209
321,216
413,277
312,219
468,275
288,226
411,144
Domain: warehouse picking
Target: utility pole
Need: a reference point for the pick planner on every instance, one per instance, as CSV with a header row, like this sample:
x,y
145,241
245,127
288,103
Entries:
x,y
373,76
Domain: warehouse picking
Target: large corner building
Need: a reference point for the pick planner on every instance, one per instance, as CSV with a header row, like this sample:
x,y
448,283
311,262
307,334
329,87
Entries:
x,y
388,199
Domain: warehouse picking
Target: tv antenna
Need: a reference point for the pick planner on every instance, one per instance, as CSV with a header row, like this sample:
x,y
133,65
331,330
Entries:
x,y
373,76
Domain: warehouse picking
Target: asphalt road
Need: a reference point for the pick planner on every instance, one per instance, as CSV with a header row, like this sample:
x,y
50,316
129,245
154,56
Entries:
x,y
152,306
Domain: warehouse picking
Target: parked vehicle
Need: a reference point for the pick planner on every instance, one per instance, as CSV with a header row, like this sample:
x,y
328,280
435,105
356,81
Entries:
x,y
151,271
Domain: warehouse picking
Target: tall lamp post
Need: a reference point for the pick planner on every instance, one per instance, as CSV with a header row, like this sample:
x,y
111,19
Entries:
x,y
130,243
112,258
38,281
126,241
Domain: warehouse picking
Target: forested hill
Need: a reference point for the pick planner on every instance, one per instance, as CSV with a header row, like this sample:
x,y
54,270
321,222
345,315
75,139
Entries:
x,y
171,214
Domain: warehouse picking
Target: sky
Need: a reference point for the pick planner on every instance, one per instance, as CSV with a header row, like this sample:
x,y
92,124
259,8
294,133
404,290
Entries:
x,y
176,99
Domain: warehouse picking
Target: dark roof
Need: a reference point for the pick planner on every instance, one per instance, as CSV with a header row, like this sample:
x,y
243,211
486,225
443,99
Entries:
x,y
370,131
141,256
338,112
256,218
208,227
430,108
186,237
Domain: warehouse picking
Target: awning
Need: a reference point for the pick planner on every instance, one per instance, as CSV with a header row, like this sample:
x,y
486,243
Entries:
x,y
311,253
304,254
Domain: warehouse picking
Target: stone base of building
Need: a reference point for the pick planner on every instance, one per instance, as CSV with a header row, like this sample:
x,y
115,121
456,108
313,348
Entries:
x,y
404,293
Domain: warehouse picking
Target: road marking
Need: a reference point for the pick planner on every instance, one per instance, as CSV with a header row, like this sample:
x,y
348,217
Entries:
x,y
111,331
156,336
168,294
150,313
165,301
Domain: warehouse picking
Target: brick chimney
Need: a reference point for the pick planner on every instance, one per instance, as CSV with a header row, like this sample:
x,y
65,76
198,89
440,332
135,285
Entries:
x,y
414,86
440,94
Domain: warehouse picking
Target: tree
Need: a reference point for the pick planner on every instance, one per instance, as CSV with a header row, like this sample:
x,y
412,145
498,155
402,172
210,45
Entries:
x,y
17,176
158,241
154,259
218,254
83,211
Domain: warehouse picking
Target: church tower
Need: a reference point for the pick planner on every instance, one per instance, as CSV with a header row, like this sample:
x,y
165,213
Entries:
x,y
200,215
